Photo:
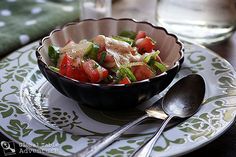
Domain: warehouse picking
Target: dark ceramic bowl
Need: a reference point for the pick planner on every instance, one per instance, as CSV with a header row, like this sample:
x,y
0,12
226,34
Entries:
x,y
111,96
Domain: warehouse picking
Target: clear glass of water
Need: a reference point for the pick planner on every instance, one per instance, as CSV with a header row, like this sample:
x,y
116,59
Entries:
x,y
202,21
95,9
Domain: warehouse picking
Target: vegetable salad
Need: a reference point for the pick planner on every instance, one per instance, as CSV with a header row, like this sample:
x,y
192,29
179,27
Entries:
x,y
121,59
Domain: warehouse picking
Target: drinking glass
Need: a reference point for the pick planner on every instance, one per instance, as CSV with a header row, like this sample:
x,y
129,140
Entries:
x,y
202,21
94,9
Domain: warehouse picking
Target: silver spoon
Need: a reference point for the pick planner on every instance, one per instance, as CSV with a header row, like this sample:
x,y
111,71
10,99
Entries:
x,y
182,100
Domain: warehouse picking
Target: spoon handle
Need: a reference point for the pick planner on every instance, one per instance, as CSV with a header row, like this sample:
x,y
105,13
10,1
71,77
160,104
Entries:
x,y
145,149
104,142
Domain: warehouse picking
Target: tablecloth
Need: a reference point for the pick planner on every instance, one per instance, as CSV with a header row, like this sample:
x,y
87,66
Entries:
x,y
23,21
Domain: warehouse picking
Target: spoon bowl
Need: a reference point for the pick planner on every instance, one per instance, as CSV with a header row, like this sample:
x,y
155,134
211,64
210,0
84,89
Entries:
x,y
185,97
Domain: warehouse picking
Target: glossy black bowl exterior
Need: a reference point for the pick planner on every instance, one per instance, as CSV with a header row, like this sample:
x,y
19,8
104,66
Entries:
x,y
105,96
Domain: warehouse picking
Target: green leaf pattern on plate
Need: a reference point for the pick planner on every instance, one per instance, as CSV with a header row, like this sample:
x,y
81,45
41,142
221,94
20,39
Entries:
x,y
48,136
227,81
167,143
16,129
66,148
7,110
195,58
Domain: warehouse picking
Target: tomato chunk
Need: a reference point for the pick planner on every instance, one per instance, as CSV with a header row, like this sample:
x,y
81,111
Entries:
x,y
108,61
142,72
80,74
145,45
63,65
68,69
140,34
94,71
125,80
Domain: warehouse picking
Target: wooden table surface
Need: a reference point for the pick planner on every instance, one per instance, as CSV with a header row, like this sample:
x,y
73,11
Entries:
x,y
225,145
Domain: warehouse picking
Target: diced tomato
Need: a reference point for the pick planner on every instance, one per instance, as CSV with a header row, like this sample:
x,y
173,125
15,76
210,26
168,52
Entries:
x,y
64,65
101,48
109,61
140,34
125,80
70,71
67,68
94,71
145,45
80,74
142,72
104,73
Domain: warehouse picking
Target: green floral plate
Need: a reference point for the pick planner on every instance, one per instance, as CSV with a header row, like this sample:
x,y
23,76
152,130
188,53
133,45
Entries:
x,y
33,113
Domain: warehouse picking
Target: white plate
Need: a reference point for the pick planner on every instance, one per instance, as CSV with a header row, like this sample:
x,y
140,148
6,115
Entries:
x,y
34,113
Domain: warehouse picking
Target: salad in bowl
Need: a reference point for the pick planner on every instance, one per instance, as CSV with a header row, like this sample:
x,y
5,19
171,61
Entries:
x,y
121,59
